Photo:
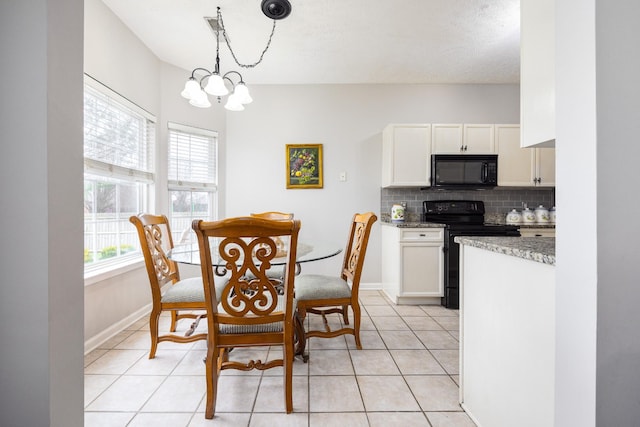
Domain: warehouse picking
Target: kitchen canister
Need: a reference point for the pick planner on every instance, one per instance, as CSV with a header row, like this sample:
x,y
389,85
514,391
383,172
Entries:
x,y
514,217
397,213
542,215
552,215
528,217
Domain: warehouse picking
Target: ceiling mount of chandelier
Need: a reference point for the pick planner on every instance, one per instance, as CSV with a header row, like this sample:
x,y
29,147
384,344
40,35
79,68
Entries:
x,y
203,82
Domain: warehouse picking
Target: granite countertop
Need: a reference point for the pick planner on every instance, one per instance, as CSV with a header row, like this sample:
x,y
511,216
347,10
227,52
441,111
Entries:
x,y
538,249
420,224
412,224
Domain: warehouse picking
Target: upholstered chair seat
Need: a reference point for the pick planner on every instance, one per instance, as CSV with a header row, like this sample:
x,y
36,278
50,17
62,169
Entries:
x,y
316,286
187,290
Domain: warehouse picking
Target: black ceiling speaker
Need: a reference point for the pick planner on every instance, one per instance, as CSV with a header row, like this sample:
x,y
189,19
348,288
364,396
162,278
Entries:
x,y
276,9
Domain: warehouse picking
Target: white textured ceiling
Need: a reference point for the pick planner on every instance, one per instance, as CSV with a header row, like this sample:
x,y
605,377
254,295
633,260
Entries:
x,y
339,41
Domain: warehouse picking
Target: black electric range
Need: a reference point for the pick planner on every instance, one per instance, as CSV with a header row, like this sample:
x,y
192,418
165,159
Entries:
x,y
461,218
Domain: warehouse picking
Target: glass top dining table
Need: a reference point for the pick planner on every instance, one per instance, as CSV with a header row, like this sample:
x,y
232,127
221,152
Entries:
x,y
306,252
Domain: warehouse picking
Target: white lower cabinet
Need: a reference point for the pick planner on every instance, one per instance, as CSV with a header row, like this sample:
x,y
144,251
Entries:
x,y
413,264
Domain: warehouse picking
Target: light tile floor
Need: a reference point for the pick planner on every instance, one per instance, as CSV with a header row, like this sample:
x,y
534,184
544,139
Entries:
x,y
405,375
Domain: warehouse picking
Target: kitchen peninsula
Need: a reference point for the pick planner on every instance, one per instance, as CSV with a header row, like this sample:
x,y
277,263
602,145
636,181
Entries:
x,y
507,330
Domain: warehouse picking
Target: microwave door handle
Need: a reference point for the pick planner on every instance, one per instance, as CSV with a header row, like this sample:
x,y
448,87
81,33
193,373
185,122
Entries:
x,y
485,172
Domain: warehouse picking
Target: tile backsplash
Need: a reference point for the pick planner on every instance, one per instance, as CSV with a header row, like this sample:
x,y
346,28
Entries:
x,y
496,201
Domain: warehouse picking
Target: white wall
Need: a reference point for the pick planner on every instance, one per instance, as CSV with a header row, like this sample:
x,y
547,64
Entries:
x,y
598,99
348,121
577,239
618,175
41,217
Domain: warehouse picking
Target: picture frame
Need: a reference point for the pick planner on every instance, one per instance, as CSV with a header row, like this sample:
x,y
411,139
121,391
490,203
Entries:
x,y
304,165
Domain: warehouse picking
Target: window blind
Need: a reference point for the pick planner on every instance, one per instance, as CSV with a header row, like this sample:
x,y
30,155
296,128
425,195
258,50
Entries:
x,y
118,141
192,158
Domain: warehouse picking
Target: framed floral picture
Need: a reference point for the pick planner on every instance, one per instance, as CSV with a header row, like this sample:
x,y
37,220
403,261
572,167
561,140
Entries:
x,y
304,165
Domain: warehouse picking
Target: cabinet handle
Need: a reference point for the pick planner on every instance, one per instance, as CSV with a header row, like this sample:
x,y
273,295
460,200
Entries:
x,y
423,235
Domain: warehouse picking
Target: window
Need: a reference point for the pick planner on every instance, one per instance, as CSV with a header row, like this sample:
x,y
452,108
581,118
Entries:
x,y
192,179
118,172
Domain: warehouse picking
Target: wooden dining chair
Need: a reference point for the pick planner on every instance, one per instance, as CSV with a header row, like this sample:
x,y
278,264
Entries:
x,y
323,294
168,292
248,311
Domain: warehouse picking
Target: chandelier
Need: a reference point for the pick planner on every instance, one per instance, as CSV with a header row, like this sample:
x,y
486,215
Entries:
x,y
203,81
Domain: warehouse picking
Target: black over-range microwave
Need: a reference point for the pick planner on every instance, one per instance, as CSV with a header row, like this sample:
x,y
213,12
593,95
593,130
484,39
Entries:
x,y
464,171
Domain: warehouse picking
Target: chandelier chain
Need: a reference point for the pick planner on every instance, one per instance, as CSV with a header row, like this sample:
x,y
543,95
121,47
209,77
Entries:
x,y
224,34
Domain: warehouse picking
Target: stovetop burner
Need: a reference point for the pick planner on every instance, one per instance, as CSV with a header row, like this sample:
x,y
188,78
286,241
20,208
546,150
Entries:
x,y
453,211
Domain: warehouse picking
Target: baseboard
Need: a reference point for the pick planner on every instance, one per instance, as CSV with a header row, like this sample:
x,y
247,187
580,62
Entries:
x,y
371,286
93,342
470,415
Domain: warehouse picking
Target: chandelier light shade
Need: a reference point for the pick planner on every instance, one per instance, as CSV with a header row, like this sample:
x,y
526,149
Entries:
x,y
203,82
215,86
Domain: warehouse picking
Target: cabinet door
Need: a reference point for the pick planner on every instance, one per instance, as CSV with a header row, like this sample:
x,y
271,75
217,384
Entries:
x,y
446,138
406,155
546,162
421,270
478,139
516,165
537,72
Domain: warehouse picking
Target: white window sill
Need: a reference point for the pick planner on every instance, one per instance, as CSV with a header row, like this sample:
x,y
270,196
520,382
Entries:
x,y
101,274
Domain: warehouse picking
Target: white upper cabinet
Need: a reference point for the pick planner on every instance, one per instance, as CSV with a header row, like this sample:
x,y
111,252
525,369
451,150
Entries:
x,y
479,139
545,167
537,73
406,155
462,139
520,166
446,138
407,149
516,165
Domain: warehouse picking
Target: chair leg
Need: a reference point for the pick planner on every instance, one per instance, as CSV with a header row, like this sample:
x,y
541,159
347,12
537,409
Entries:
x,y
174,320
301,339
356,323
212,369
153,330
288,374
